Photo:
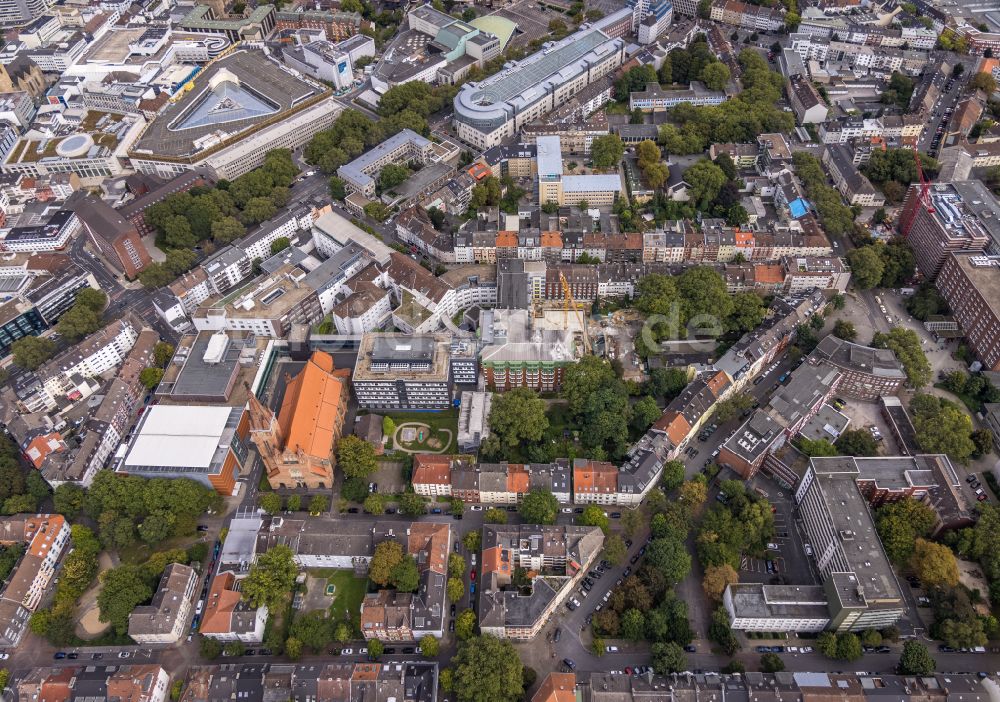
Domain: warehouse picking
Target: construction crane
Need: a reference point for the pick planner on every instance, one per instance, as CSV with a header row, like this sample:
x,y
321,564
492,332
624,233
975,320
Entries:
x,y
925,185
569,302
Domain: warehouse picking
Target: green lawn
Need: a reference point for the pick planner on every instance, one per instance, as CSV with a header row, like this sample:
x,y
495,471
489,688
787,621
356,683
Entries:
x,y
350,591
445,419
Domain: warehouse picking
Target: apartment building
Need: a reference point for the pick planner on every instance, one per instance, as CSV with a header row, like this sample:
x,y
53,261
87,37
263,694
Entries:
x,y
514,354
359,175
555,557
44,536
851,183
166,619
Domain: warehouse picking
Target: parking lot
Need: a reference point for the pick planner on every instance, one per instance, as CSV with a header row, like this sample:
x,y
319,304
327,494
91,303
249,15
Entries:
x,y
532,22
791,565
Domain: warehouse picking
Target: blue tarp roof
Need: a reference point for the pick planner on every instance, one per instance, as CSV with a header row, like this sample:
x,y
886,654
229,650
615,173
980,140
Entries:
x,y
798,207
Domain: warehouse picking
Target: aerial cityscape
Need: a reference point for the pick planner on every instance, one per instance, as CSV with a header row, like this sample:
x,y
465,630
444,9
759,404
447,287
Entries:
x,y
500,351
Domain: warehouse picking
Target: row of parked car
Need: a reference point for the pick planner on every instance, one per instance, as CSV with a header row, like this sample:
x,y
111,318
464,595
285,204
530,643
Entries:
x,y
784,649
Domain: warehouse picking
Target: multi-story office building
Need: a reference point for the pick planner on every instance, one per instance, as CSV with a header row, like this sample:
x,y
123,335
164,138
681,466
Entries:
x,y
784,608
962,216
492,110
406,145
970,282
403,372
515,355
860,584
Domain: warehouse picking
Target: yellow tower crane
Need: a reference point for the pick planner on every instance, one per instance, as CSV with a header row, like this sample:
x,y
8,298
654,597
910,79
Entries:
x,y
568,302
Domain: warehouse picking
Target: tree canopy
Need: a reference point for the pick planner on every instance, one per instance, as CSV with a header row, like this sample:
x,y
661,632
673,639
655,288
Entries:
x,y
487,669
539,507
270,578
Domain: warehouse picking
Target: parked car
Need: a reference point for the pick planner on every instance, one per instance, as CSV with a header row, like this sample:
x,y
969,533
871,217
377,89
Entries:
x,y
611,649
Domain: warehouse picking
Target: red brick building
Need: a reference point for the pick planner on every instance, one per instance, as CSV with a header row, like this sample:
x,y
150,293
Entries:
x,y
117,239
971,285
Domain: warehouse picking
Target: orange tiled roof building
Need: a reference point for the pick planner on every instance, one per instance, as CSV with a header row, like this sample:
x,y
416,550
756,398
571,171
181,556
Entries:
x,y
297,445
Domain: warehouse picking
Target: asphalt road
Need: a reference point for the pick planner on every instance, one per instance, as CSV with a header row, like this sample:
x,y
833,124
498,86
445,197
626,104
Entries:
x,y
949,99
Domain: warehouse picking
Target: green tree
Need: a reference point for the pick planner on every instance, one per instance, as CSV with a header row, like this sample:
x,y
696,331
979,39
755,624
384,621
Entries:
x,y
906,345
68,500
816,447
280,244
539,507
456,566
387,556
318,504
848,647
375,649
293,503
430,646
227,230
607,151
455,589
916,660
900,524
517,417
845,330
150,377
593,516
934,564
162,353
666,383
412,505
668,658
495,515
731,407
487,669
942,427
633,625
270,578
405,576
472,540
670,557
122,588
857,442
748,311
338,188
209,648
982,81
717,579
771,663
867,267
705,180
644,412
614,549
465,625
374,504
392,175
32,351
715,75
293,648
270,502
356,457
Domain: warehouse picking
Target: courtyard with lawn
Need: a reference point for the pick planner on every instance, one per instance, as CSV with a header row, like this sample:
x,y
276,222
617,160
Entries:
x,y
425,432
338,591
